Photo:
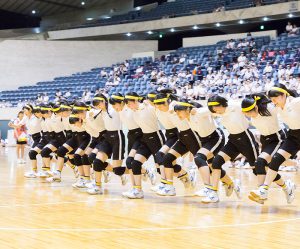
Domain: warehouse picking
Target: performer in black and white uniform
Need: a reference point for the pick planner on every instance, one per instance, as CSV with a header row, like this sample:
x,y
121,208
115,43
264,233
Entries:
x,y
288,107
112,147
240,141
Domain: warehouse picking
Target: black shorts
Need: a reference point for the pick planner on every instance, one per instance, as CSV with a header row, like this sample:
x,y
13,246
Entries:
x,y
243,143
172,136
113,145
100,139
36,139
292,143
21,142
134,139
189,141
68,134
154,141
58,139
214,142
271,143
79,140
43,141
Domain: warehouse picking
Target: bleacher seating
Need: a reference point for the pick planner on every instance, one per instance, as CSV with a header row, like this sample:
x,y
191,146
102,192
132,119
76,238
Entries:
x,y
203,56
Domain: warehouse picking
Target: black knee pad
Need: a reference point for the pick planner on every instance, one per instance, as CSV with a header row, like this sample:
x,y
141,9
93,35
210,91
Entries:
x,y
158,170
136,167
200,160
159,157
129,161
62,151
46,152
277,160
260,166
119,170
98,165
77,160
168,160
66,159
223,173
209,161
254,171
72,161
32,154
278,177
92,157
85,160
177,168
218,162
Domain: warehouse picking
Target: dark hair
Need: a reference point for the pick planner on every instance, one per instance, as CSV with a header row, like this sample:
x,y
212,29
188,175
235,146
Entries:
x,y
45,106
56,108
276,93
116,98
28,107
149,97
162,98
20,112
259,100
74,118
97,101
217,99
189,105
65,106
133,94
36,109
79,105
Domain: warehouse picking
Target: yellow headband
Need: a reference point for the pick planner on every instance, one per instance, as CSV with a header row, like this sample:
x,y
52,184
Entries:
x,y
213,103
46,108
160,100
184,104
249,108
151,95
132,97
80,108
117,97
99,98
66,107
280,90
36,107
73,116
56,109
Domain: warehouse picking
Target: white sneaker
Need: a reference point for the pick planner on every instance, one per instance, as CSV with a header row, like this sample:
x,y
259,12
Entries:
x,y
80,183
135,194
124,179
55,178
19,161
228,189
43,174
157,187
95,190
144,176
247,166
168,190
186,181
106,176
126,193
259,195
281,168
212,197
202,192
237,188
193,174
151,175
289,191
90,184
30,174
75,171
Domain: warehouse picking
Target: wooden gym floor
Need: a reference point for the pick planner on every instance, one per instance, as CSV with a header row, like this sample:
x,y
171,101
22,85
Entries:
x,y
36,214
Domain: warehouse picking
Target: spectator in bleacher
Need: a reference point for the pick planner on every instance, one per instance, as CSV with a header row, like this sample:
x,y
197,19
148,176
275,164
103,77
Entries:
x,y
294,31
268,70
280,71
39,98
242,59
182,59
289,71
67,94
230,44
289,27
103,74
249,36
45,98
58,93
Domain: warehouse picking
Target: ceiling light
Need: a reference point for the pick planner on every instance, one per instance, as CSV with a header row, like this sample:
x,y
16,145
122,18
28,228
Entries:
x,y
172,30
241,21
90,19
195,27
265,18
33,11
149,32
82,3
218,24
129,34
290,15
138,8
